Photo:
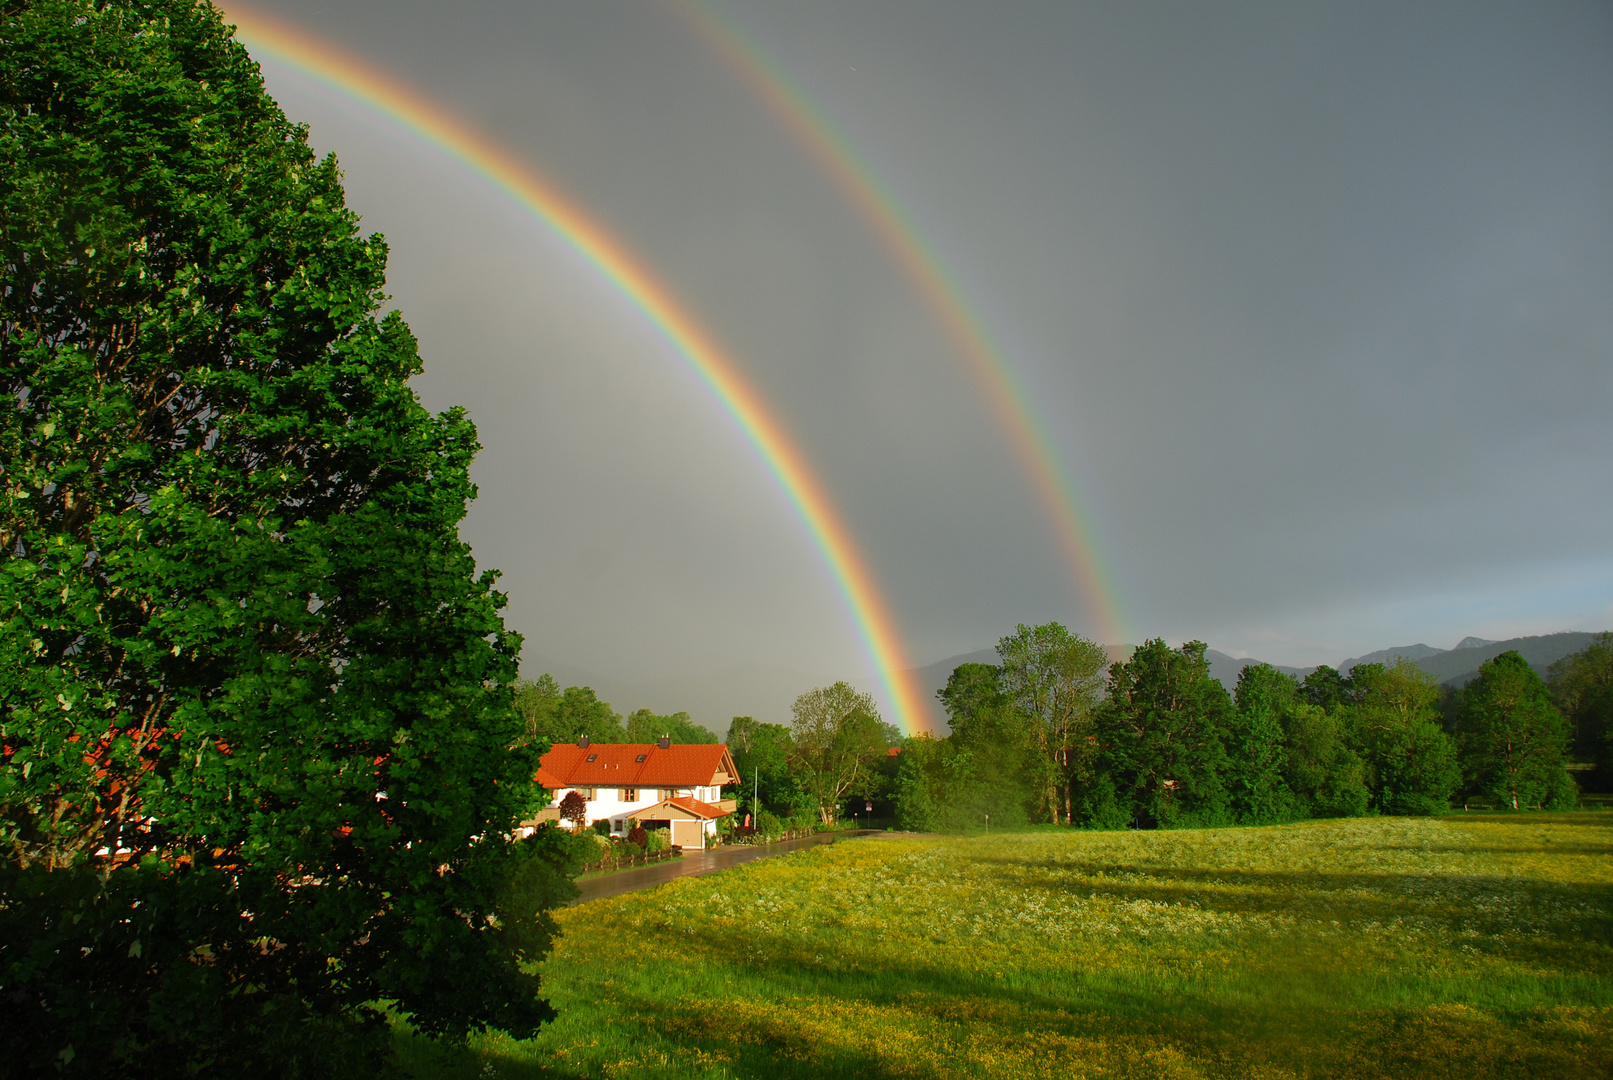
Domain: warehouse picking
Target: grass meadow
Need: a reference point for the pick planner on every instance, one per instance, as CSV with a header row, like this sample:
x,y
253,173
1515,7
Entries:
x,y
1464,947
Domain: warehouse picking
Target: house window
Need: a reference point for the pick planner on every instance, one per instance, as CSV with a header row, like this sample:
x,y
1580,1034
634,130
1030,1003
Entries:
x,y
640,758
630,794
591,757
587,793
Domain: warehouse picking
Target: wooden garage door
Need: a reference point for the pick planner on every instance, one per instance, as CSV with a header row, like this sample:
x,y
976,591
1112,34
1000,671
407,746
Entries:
x,y
688,834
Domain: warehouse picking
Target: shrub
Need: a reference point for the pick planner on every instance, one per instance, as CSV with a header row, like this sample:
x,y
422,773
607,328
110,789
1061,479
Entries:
x,y
657,840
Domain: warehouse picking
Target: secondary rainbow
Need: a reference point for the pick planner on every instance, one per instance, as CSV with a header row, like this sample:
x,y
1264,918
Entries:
x,y
1009,401
522,183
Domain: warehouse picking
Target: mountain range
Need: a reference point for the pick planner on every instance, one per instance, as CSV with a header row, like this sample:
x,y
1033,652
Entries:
x,y
766,691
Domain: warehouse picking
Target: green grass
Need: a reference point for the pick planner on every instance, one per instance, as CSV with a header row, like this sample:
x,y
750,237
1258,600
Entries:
x,y
1469,946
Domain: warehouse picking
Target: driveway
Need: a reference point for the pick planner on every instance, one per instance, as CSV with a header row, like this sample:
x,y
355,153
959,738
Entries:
x,y
696,863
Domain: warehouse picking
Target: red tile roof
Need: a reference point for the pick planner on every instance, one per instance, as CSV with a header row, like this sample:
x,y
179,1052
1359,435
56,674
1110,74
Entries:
x,y
618,765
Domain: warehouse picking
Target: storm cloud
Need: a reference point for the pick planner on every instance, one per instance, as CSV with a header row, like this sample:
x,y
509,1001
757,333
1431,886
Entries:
x,y
1312,300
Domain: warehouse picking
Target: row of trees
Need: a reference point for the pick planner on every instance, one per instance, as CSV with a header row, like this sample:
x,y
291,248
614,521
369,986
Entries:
x,y
1582,688
565,716
1048,735
836,748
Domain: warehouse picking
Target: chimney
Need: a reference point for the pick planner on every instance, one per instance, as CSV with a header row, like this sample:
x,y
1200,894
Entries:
x,y
665,742
582,740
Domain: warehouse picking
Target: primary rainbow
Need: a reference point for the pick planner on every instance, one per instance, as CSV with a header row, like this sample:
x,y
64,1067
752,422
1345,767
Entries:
x,y
358,81
1009,401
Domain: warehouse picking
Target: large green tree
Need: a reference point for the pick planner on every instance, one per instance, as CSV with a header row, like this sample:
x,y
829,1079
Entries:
x,y
987,769
537,701
1256,746
1054,679
556,717
254,779
1582,687
1513,741
996,760
1162,733
836,736
1320,776
762,755
1393,719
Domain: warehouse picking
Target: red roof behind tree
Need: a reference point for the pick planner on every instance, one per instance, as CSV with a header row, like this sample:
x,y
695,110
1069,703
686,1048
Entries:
x,y
636,765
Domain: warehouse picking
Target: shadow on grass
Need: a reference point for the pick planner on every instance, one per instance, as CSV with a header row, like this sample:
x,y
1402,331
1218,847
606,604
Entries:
x,y
786,1019
424,1058
1273,890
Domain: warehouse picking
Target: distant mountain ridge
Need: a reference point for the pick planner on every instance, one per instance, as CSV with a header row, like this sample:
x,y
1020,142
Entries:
x,y
1457,666
1413,653
1227,668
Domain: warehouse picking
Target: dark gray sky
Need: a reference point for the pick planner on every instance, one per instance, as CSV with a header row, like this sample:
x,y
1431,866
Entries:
x,y
1317,299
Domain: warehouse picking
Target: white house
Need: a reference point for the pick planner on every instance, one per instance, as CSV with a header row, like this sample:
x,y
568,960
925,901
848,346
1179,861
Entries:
x,y
661,785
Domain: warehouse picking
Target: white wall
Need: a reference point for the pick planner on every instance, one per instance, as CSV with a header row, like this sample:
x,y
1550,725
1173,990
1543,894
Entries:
x,y
608,803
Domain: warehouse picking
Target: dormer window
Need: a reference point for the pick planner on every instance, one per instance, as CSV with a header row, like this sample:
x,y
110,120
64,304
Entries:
x,y
640,758
591,757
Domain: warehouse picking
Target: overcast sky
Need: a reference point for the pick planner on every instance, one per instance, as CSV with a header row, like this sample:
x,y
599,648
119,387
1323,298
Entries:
x,y
1317,301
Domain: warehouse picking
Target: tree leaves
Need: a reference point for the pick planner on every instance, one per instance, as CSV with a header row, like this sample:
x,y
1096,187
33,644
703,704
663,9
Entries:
x,y
250,679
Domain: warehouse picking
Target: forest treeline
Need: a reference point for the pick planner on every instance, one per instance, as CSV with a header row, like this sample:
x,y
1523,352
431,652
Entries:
x,y
566,715
1053,733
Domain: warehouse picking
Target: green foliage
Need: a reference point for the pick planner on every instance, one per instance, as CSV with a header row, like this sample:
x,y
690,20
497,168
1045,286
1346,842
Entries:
x,y
1161,730
580,712
1326,688
1289,757
1054,678
537,703
972,690
835,739
1512,738
921,794
253,776
657,840
1393,721
761,754
643,726
1255,744
1325,776
557,717
989,765
1582,688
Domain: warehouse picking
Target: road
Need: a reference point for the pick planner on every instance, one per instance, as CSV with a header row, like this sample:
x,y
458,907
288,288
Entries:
x,y
696,863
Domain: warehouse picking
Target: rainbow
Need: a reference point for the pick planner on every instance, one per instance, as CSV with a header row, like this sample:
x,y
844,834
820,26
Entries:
x,y
358,81
1009,401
